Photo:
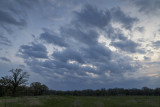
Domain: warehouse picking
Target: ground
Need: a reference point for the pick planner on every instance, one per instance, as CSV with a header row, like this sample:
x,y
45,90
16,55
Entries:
x,y
80,101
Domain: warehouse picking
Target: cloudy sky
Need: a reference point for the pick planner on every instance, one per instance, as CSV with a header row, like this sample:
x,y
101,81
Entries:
x,y
82,44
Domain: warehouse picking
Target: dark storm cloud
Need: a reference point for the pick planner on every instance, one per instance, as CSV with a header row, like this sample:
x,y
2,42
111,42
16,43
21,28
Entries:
x,y
33,51
148,6
88,16
5,41
128,45
119,16
5,59
53,39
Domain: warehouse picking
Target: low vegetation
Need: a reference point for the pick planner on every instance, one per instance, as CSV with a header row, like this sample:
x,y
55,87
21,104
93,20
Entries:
x,y
81,101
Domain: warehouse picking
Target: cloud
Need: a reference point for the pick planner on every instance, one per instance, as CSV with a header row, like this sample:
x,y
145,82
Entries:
x,y
91,16
68,54
84,59
89,37
97,53
156,44
147,58
128,45
33,51
140,29
11,16
147,6
6,18
5,41
119,16
53,39
21,66
115,34
5,59
29,3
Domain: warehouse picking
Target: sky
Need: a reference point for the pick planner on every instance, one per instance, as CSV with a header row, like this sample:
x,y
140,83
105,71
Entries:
x,y
82,44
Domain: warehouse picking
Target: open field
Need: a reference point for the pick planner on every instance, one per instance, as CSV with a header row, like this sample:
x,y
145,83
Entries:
x,y
80,101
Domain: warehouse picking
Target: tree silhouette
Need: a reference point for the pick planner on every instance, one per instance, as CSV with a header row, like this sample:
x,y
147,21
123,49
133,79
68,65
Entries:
x,y
17,79
38,88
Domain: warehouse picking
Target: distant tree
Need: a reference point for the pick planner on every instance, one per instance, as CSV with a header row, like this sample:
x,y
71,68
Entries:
x,y
5,85
5,81
17,78
38,88
157,91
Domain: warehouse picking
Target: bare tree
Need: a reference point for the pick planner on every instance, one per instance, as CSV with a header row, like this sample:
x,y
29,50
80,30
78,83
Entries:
x,y
17,78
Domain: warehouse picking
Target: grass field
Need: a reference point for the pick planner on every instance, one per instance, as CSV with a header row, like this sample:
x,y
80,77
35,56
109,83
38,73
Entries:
x,y
81,101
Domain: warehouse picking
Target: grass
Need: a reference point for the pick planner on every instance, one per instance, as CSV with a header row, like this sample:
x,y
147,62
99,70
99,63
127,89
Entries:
x,y
80,101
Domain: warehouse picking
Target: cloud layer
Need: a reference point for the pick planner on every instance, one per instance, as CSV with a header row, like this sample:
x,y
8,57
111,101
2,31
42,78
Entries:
x,y
82,44
82,56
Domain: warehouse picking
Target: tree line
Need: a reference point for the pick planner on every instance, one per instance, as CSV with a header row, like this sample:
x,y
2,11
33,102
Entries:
x,y
110,92
15,85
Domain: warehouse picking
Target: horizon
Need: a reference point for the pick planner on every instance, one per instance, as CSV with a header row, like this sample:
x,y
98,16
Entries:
x,y
79,44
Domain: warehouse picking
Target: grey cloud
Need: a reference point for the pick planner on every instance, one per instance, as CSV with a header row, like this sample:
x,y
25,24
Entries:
x,y
156,44
11,15
128,45
69,54
140,29
115,34
147,6
123,64
119,16
28,3
5,59
91,16
33,51
53,39
141,51
147,58
153,63
98,56
47,9
6,18
97,53
5,41
90,37
22,66
60,68
84,58
73,73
